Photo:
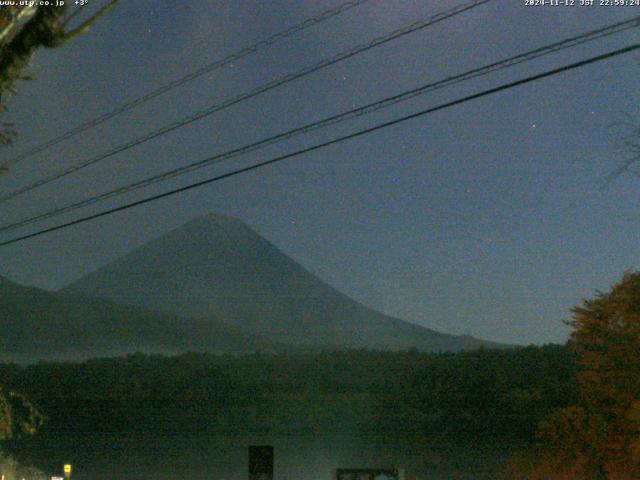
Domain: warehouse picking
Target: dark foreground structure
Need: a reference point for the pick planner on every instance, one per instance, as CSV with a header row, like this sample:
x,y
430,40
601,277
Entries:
x,y
261,468
368,474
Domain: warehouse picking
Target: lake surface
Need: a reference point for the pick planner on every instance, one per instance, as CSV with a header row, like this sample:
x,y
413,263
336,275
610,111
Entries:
x,y
218,457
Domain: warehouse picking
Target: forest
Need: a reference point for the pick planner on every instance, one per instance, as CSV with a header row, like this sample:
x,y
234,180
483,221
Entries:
x,y
499,394
563,412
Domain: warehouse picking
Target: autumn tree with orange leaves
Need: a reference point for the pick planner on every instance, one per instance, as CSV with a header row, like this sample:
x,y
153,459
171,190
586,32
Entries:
x,y
600,437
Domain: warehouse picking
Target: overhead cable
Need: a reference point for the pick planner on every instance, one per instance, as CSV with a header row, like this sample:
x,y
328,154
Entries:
x,y
335,119
215,65
359,133
413,27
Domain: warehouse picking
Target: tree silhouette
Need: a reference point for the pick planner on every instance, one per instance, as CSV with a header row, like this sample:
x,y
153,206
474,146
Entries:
x,y
18,416
600,437
606,338
23,30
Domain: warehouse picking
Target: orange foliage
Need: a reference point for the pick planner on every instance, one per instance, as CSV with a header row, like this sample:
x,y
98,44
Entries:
x,y
600,438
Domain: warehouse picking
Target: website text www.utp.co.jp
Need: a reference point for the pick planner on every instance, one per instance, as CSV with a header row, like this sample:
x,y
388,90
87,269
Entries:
x,y
32,3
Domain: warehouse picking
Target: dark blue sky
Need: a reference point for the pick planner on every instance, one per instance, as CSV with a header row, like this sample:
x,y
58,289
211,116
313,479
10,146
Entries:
x,y
492,218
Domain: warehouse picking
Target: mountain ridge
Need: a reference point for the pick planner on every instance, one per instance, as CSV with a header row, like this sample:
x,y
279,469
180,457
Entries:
x,y
36,324
221,266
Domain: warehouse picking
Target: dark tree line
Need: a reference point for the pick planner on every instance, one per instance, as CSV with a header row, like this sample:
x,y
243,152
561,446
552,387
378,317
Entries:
x,y
499,394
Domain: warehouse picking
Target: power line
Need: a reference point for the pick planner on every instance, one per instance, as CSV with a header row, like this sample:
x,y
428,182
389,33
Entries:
x,y
332,120
217,64
337,140
413,27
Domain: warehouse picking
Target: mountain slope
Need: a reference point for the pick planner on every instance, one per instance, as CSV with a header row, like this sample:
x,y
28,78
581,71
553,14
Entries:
x,y
36,324
217,265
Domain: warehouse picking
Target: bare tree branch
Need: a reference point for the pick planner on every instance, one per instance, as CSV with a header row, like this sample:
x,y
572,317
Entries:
x,y
87,24
25,29
11,21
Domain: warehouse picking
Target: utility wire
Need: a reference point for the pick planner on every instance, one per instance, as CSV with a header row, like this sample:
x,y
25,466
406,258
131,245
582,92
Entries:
x,y
334,141
217,64
332,120
253,93
72,15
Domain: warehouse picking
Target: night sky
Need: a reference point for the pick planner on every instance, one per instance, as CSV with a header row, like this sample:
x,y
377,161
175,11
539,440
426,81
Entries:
x,y
491,218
